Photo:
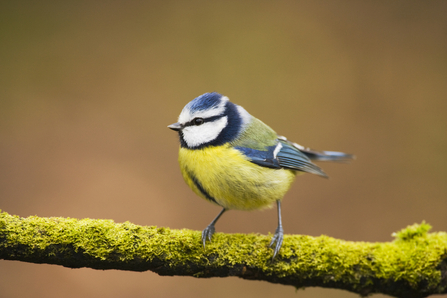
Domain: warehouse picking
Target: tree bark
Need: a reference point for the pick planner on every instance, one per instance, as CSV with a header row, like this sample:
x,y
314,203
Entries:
x,y
413,265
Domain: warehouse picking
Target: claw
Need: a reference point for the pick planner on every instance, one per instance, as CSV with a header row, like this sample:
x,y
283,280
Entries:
x,y
209,230
207,233
278,238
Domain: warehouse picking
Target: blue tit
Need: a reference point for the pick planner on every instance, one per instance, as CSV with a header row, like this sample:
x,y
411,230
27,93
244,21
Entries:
x,y
234,160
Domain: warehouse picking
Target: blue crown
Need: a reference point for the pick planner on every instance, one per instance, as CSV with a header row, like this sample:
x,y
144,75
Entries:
x,y
204,102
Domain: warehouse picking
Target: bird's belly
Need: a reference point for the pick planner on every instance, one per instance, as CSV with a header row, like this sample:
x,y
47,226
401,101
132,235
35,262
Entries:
x,y
224,176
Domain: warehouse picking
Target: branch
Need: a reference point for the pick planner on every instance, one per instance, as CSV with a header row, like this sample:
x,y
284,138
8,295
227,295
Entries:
x,y
413,265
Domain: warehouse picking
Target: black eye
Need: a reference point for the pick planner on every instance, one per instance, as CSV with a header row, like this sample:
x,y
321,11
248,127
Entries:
x,y
198,121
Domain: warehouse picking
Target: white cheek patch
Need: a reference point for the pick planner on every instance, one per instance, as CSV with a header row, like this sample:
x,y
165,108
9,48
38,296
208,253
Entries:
x,y
198,135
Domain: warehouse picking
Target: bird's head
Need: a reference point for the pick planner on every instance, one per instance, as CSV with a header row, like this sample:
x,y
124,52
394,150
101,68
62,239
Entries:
x,y
210,120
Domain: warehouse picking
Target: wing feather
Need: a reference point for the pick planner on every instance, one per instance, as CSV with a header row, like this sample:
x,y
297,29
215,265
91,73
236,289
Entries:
x,y
288,157
292,158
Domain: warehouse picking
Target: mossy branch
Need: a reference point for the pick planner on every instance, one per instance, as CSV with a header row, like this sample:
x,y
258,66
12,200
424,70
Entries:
x,y
413,265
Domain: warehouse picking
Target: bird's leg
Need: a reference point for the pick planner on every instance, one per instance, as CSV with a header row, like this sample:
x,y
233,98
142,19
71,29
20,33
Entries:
x,y
279,233
209,230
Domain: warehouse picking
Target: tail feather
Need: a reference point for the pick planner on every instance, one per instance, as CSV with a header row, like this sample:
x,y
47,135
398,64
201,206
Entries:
x,y
328,155
321,155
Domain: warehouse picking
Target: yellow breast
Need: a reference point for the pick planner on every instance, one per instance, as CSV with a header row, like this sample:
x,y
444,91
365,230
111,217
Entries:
x,y
224,176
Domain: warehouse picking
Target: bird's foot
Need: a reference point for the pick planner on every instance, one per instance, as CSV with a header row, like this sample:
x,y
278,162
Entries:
x,y
207,234
278,238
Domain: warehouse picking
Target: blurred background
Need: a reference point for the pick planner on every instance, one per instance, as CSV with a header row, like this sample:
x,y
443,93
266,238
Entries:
x,y
87,89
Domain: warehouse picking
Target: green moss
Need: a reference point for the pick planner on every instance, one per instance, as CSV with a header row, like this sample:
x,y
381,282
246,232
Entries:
x,y
413,231
415,262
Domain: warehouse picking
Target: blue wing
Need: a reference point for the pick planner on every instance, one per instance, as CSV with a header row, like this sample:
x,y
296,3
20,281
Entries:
x,y
282,155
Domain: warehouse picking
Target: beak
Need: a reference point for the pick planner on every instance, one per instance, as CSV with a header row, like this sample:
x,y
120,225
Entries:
x,y
175,126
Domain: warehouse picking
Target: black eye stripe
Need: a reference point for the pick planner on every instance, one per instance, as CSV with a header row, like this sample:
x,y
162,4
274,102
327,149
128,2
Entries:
x,y
205,120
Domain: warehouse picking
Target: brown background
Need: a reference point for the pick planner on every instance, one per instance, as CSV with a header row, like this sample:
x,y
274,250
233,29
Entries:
x,y
88,88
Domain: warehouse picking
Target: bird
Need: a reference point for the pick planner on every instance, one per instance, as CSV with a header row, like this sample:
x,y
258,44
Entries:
x,y
236,161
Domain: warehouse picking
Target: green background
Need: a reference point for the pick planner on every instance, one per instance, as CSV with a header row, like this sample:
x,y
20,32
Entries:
x,y
87,89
